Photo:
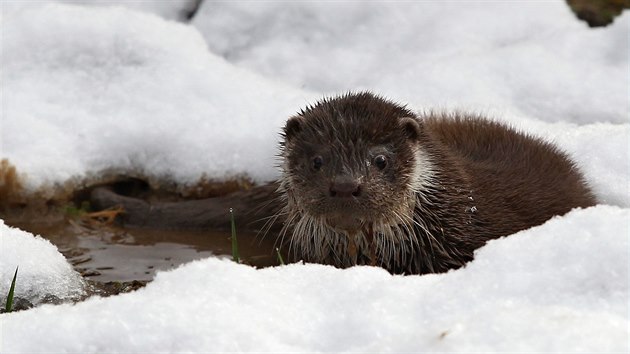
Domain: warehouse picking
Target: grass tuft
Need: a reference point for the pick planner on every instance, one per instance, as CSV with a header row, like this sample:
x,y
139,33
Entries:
x,y
9,305
235,256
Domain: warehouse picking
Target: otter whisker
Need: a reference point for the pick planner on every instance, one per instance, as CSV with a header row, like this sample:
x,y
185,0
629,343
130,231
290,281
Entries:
x,y
270,221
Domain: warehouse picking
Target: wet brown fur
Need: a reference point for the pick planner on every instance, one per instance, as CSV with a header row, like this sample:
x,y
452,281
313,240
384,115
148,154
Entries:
x,y
484,181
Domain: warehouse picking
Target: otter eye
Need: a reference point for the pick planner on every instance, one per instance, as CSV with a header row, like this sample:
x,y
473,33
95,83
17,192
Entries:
x,y
317,162
380,161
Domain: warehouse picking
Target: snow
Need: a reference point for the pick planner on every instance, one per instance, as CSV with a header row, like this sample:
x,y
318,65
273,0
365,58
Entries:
x,y
127,95
144,72
559,287
170,9
95,90
529,57
43,271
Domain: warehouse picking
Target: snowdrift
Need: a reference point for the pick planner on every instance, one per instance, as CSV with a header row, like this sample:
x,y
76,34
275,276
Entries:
x,y
88,91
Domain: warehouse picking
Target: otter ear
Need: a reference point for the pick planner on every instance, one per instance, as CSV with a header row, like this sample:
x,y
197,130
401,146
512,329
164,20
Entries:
x,y
411,127
293,126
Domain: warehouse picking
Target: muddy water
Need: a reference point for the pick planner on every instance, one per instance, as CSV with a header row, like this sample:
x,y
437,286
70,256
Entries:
x,y
113,258
109,253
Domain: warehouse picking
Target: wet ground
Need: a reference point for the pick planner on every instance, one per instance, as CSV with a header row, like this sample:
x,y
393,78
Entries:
x,y
114,259
106,253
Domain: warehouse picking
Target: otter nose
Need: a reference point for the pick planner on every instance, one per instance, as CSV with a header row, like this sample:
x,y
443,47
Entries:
x,y
345,187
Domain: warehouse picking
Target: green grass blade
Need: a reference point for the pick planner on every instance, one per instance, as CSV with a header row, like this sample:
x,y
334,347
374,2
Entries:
x,y
9,305
235,256
279,256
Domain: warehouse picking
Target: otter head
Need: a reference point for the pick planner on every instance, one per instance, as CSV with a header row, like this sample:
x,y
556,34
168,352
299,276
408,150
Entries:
x,y
351,162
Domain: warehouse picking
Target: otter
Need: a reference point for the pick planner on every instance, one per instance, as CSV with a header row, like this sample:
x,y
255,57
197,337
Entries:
x,y
366,181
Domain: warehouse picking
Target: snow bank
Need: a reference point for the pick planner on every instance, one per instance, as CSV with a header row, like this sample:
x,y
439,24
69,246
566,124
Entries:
x,y
559,287
42,269
87,90
529,57
97,90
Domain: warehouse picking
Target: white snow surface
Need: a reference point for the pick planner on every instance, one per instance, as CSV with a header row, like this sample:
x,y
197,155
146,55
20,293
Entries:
x,y
42,269
527,57
88,90
104,89
559,287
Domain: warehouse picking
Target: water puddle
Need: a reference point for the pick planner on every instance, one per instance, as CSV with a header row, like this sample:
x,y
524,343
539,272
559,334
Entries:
x,y
109,253
115,259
